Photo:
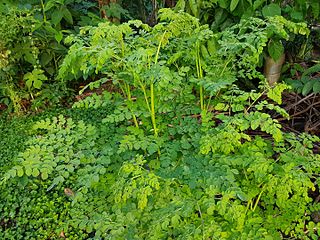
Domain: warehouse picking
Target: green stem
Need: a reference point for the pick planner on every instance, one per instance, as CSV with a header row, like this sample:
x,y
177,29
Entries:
x,y
225,66
152,94
43,11
200,75
261,94
159,46
201,98
153,113
145,95
257,201
127,87
208,103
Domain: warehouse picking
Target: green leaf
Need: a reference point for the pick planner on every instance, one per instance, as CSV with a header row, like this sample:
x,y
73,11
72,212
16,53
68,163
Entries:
x,y
35,172
211,209
35,78
44,175
258,3
55,182
242,196
180,5
12,173
28,171
49,5
275,93
175,220
193,7
67,14
275,49
95,178
30,58
296,15
315,7
152,148
220,107
271,10
212,46
233,5
50,29
58,36
311,70
307,87
255,124
56,16
223,4
20,171
316,87
37,83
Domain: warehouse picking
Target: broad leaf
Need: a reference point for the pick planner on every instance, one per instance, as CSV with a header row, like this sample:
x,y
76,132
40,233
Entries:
x,y
316,86
307,88
275,49
35,78
56,16
271,10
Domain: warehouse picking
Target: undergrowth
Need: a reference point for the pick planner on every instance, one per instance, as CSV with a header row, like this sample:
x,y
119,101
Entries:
x,y
89,180
181,153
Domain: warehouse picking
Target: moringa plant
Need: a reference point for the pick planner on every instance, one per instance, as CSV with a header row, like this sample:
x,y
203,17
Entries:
x,y
157,68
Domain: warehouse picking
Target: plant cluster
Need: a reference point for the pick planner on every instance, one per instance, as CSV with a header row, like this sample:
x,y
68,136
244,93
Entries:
x,y
181,150
109,181
223,13
308,83
31,49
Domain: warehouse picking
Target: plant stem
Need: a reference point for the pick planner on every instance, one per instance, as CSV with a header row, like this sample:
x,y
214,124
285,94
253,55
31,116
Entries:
x,y
247,110
153,114
257,201
145,95
152,94
127,87
200,75
43,11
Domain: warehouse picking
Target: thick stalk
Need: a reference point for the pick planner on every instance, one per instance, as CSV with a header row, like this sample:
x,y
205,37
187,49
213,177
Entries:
x,y
272,69
145,96
128,93
152,94
153,113
143,88
200,75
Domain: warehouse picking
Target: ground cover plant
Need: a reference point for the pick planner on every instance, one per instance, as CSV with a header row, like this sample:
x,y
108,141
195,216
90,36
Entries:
x,y
183,147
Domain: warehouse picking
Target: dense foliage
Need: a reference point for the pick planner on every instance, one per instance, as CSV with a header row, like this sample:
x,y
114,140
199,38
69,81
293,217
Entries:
x,y
173,134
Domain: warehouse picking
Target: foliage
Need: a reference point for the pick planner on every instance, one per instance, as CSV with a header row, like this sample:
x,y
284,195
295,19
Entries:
x,y
31,47
161,66
180,149
308,82
206,183
13,136
221,14
185,147
32,202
